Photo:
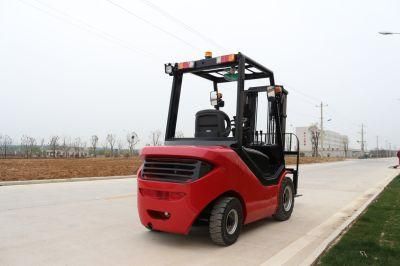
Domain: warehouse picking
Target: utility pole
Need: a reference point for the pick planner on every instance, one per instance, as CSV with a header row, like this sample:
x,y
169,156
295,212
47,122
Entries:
x,y
321,106
386,149
362,142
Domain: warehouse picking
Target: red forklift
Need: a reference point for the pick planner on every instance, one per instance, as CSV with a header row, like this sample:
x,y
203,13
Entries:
x,y
230,172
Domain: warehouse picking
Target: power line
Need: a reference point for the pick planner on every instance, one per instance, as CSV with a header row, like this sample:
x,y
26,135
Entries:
x,y
304,99
183,24
87,27
311,99
153,25
305,95
353,124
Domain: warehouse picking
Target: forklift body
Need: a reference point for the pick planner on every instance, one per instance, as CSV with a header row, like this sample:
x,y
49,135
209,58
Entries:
x,y
231,172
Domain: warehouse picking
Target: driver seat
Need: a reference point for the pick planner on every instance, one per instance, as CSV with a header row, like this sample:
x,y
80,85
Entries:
x,y
210,123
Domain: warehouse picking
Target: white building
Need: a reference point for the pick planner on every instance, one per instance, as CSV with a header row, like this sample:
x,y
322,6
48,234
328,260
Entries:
x,y
334,144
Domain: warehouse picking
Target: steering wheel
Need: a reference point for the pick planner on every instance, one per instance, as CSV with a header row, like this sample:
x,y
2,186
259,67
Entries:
x,y
228,125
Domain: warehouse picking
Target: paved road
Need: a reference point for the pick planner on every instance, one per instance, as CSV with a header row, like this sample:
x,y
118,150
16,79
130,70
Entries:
x,y
96,222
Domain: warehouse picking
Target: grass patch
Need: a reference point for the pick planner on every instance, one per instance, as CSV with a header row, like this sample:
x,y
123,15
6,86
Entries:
x,y
374,239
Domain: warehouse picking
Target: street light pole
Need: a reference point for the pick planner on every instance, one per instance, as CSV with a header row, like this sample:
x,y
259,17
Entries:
x,y
388,33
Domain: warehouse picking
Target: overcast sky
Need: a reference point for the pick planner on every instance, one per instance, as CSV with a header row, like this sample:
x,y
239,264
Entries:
x,y
77,68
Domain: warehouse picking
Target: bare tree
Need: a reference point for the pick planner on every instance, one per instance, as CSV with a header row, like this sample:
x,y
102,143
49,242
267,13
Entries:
x,y
24,146
120,146
31,145
65,146
77,147
155,138
94,141
42,147
315,134
6,142
83,148
132,139
111,141
53,143
105,147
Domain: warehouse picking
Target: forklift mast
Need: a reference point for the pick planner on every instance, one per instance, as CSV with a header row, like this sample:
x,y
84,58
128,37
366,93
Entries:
x,y
276,123
278,116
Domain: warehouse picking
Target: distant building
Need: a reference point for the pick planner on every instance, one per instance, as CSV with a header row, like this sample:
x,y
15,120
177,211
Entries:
x,y
335,144
69,153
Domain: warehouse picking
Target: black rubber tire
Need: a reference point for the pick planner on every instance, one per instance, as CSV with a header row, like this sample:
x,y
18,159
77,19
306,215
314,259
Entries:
x,y
218,221
151,229
282,214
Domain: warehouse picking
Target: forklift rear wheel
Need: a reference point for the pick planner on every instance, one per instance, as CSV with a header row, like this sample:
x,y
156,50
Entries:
x,y
149,226
226,221
286,200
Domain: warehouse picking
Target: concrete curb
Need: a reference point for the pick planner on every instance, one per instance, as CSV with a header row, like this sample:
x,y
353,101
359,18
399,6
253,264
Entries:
x,y
59,180
285,255
312,259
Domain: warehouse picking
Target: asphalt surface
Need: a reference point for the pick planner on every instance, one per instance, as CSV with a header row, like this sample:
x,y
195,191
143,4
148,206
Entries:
x,y
96,222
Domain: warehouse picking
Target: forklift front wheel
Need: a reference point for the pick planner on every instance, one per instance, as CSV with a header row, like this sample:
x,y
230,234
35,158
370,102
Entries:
x,y
226,221
285,200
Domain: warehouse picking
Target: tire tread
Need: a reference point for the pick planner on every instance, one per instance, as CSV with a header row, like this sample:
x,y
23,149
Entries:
x,y
216,218
281,214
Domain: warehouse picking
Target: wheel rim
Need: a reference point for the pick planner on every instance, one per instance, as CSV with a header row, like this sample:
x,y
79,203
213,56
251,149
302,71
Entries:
x,y
232,221
287,198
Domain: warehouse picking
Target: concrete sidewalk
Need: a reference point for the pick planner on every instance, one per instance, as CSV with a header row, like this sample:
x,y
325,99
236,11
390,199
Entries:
x,y
96,222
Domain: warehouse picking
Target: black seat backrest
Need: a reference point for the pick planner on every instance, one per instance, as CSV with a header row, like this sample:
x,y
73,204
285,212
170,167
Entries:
x,y
274,152
261,160
210,123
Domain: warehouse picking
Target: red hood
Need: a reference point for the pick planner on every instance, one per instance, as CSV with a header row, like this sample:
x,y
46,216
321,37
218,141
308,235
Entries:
x,y
201,152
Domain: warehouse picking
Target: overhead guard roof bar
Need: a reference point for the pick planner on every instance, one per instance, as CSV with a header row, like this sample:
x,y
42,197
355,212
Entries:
x,y
204,71
223,80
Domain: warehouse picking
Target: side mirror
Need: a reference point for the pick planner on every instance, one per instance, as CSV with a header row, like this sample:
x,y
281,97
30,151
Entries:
x,y
216,99
213,98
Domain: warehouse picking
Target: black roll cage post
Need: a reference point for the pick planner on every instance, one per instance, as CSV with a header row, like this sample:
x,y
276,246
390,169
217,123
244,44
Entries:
x,y
173,106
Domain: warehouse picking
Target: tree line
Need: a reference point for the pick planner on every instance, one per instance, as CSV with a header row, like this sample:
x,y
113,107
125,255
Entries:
x,y
57,146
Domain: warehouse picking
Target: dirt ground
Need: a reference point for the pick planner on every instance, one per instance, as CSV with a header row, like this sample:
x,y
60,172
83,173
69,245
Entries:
x,y
29,169
305,160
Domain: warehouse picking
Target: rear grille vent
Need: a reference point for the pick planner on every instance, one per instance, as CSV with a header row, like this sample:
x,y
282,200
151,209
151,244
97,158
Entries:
x,y
173,169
